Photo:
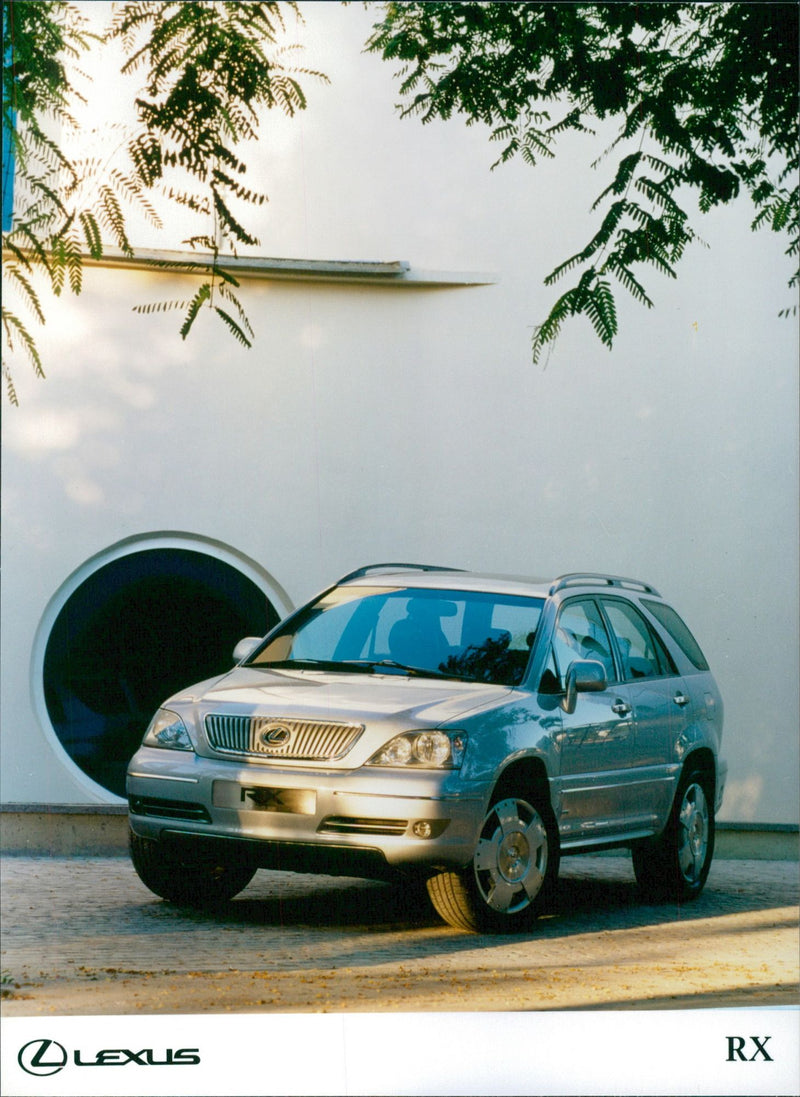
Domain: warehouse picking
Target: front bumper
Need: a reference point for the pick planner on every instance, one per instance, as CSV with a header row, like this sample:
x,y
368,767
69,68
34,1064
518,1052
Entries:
x,y
317,820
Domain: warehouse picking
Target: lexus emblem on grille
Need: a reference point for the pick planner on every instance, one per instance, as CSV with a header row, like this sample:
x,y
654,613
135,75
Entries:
x,y
275,736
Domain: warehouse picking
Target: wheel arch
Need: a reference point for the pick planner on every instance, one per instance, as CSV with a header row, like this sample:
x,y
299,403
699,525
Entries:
x,y
527,772
703,760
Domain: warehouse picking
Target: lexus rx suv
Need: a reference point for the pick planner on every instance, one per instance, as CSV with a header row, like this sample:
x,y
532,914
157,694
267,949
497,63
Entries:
x,y
468,729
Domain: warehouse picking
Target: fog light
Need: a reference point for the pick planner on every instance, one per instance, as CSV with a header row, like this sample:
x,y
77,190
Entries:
x,y
422,829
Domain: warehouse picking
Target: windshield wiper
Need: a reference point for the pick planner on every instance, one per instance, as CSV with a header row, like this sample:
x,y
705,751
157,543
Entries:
x,y
416,672
314,664
359,666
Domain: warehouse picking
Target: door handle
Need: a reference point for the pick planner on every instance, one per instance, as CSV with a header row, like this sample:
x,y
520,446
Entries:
x,y
681,699
621,708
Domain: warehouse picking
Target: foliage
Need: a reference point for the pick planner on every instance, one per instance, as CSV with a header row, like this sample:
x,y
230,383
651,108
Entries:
x,y
208,74
704,97
207,69
40,42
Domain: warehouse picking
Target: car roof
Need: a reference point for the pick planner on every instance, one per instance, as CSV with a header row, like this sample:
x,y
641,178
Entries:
x,y
455,580
432,577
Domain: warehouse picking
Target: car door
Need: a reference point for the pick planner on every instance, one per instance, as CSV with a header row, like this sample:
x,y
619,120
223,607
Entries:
x,y
660,709
597,738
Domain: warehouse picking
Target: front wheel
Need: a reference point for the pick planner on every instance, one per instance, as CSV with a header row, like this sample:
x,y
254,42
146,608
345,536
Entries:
x,y
512,871
676,864
197,882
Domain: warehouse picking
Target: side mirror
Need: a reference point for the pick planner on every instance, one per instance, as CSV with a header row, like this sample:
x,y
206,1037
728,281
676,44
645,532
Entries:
x,y
583,676
245,647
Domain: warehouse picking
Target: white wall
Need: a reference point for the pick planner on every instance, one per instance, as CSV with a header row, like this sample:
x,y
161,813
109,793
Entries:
x,y
398,423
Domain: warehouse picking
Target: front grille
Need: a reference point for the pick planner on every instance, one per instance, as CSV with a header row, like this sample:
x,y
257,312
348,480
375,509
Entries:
x,y
272,737
350,824
168,809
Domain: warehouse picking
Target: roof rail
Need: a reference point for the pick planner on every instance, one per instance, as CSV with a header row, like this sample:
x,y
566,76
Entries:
x,y
359,572
590,578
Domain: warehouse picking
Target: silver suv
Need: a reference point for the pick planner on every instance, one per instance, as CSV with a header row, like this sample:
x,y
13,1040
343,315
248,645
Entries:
x,y
421,721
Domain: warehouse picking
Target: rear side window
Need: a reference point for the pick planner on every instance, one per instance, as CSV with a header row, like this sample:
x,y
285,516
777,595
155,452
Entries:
x,y
642,653
679,632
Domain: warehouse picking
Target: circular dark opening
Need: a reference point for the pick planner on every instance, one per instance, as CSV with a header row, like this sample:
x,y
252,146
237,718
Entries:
x,y
134,632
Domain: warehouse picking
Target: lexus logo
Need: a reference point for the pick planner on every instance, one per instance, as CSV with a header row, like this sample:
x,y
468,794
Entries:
x,y
276,735
42,1057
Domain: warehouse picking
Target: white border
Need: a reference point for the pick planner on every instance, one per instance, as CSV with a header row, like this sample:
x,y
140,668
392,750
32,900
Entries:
x,y
651,1053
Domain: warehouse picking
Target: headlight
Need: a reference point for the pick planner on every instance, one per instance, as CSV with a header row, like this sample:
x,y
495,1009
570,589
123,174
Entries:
x,y
424,749
167,730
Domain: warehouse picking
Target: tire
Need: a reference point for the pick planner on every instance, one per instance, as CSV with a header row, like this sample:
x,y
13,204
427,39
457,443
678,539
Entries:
x,y
512,872
199,882
675,865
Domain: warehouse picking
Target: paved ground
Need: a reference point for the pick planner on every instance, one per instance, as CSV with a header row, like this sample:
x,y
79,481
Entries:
x,y
84,936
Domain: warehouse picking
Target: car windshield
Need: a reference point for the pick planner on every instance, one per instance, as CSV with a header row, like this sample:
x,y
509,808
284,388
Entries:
x,y
471,635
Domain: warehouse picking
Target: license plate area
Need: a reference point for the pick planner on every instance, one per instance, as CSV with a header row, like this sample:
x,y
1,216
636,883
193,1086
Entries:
x,y
291,801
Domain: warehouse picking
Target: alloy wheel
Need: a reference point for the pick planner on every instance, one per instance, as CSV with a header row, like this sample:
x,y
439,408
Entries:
x,y
510,861
693,833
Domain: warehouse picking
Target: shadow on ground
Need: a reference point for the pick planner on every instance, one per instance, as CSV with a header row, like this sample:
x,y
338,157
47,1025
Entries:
x,y
605,899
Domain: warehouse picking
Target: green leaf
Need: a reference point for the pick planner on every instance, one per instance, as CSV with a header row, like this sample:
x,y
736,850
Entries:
x,y
600,307
14,276
200,298
226,276
628,280
91,234
233,326
14,329
160,306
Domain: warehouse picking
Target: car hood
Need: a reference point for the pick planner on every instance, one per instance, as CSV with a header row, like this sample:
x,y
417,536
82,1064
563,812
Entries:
x,y
351,698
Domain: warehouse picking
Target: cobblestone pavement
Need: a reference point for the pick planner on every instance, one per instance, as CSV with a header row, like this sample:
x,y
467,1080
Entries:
x,y
84,936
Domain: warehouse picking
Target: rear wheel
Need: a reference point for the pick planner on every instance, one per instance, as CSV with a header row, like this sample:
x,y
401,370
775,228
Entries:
x,y
676,864
172,875
512,871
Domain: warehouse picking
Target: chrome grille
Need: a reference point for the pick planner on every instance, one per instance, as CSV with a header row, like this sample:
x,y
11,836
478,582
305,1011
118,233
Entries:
x,y
273,737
